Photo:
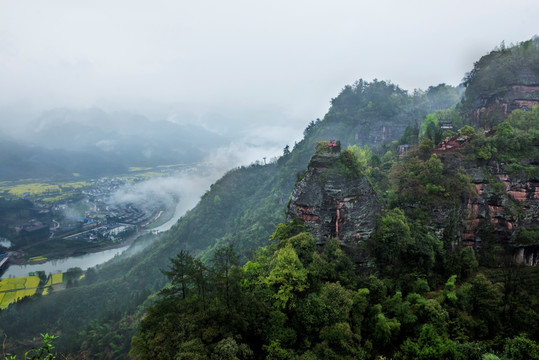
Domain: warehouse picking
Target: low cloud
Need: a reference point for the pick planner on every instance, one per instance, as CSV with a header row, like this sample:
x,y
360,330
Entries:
x,y
105,145
189,185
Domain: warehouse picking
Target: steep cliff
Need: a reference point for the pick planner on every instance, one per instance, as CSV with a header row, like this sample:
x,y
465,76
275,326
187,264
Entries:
x,y
501,215
506,206
335,201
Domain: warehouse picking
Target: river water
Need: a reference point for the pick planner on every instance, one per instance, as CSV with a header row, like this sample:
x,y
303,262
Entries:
x,y
61,265
92,259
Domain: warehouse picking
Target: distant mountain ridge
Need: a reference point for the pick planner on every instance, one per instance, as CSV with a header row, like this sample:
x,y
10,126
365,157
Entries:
x,y
93,142
505,79
18,161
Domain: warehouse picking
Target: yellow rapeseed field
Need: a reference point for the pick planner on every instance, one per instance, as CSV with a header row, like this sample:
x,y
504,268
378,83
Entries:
x,y
137,168
57,278
53,280
12,283
33,189
75,185
37,258
38,188
8,298
14,289
151,174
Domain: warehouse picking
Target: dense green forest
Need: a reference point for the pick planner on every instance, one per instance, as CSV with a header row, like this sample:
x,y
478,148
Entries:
x,y
503,66
249,283
422,299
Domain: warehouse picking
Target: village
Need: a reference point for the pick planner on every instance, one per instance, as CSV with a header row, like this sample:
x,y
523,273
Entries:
x,y
85,218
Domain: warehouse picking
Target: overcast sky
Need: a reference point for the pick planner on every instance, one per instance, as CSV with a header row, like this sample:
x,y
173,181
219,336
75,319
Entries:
x,y
289,56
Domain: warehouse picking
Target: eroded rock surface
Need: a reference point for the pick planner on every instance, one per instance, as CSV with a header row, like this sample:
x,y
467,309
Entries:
x,y
506,202
333,204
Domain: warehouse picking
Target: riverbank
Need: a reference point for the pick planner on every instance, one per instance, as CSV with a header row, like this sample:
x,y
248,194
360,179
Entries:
x,y
21,258
58,255
165,216
83,262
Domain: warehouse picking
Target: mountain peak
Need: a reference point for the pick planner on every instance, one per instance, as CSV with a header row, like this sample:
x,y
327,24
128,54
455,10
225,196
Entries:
x,y
334,199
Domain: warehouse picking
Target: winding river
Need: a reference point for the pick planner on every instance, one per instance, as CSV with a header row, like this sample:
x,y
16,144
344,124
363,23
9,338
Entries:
x,y
92,259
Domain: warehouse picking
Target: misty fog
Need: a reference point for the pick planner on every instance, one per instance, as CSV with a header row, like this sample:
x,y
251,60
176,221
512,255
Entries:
x,y
227,64
96,88
189,185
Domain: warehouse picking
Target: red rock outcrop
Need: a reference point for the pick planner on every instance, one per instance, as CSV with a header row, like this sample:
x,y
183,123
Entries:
x,y
333,204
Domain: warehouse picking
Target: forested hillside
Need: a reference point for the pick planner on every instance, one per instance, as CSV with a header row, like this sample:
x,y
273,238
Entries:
x,y
427,292
504,80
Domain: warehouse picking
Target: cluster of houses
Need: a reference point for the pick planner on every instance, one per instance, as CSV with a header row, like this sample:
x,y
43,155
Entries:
x,y
100,220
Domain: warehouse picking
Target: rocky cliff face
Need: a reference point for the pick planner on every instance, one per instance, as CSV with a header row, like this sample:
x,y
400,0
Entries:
x,y
505,203
378,133
516,96
334,204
